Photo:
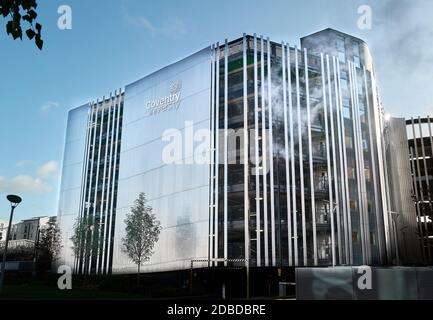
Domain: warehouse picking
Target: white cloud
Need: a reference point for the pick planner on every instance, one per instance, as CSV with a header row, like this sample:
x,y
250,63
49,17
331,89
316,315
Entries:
x,y
169,28
31,184
141,22
49,169
23,163
47,106
173,28
24,184
402,39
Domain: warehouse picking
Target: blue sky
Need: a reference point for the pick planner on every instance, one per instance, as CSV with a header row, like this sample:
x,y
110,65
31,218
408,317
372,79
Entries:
x,y
113,43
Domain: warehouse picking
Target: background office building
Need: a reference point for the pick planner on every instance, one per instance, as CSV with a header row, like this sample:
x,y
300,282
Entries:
x,y
304,185
25,232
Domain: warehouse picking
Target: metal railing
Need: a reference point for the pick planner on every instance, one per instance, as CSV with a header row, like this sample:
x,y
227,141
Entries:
x,y
247,265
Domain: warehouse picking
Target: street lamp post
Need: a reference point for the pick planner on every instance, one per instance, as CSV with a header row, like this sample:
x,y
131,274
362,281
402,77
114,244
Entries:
x,y
15,201
36,247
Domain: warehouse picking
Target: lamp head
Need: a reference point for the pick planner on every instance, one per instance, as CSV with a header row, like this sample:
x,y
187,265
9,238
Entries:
x,y
14,200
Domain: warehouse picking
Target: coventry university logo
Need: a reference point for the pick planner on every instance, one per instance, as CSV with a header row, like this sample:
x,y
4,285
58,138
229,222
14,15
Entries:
x,y
169,102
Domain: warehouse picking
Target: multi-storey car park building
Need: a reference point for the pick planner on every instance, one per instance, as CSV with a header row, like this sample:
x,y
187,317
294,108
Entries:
x,y
420,134
402,210
303,184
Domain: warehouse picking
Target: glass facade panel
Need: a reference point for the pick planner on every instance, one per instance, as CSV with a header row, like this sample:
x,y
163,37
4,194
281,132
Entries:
x,y
178,191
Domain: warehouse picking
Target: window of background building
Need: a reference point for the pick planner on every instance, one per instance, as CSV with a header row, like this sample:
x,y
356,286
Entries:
x,y
349,142
365,144
346,102
367,174
356,54
351,173
343,80
341,50
346,108
360,87
357,61
346,112
361,108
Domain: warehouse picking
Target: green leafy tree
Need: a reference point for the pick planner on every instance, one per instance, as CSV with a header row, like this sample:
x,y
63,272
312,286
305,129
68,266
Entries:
x,y
19,12
49,246
82,239
142,233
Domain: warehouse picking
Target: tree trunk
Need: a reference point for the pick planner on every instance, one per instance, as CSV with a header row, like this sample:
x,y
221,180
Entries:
x,y
138,275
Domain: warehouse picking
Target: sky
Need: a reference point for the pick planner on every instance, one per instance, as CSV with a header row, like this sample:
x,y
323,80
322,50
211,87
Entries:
x,y
116,42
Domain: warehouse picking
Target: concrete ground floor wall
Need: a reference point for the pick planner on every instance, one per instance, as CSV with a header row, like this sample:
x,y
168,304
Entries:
x,y
364,283
206,283
19,266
